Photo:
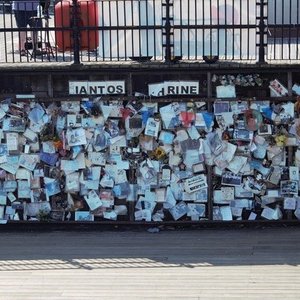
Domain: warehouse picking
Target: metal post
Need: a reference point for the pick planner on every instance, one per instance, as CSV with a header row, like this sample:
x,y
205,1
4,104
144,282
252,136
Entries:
x,y
76,31
167,33
261,29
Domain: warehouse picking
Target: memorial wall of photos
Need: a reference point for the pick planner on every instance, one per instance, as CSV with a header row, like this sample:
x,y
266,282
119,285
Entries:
x,y
97,160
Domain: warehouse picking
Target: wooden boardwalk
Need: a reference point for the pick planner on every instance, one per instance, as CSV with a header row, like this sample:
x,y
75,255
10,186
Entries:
x,y
202,264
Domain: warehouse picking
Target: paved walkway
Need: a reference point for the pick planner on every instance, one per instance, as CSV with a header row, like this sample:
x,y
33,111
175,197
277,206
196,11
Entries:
x,y
203,264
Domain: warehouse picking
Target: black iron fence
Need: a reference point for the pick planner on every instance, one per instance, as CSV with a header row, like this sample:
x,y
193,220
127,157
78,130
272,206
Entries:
x,y
82,31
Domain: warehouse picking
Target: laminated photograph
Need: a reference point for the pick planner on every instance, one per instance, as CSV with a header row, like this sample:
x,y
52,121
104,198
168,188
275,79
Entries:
x,y
169,199
179,210
35,183
158,216
2,209
76,137
218,197
226,213
294,173
52,186
91,184
229,178
74,121
195,183
225,91
142,215
193,133
116,111
72,183
30,135
296,89
9,186
97,158
236,211
242,134
240,192
48,147
217,213
236,164
87,122
144,203
107,181
166,137
12,141
158,196
176,187
192,157
121,176
49,158
198,168
121,190
110,215
93,200
14,124
221,107
227,193
166,175
225,120
215,143
123,164
288,187
68,166
200,196
257,165
238,107
23,174
252,216
10,168
3,153
24,190
84,216
28,161
11,197
242,203
196,210
169,115
146,142
277,89
268,213
101,139
147,170
200,121
70,106
3,198
33,209
252,185
265,129
152,127
289,203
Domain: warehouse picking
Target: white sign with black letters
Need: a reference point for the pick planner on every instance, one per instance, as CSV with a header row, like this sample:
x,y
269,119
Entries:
x,y
173,88
97,87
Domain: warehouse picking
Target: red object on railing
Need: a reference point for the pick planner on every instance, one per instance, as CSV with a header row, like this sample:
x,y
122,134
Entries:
x,y
87,17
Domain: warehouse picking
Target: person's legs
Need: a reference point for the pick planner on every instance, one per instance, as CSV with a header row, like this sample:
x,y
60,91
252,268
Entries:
x,y
20,17
24,18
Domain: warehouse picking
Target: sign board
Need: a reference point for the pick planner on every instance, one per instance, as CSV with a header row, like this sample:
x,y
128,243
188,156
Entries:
x,y
173,88
97,87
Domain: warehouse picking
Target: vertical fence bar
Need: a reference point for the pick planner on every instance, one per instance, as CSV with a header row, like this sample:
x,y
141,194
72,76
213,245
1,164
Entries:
x,y
76,31
167,32
261,28
297,35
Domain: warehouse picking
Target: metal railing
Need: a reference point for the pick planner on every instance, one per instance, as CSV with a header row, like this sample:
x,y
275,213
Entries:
x,y
82,31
